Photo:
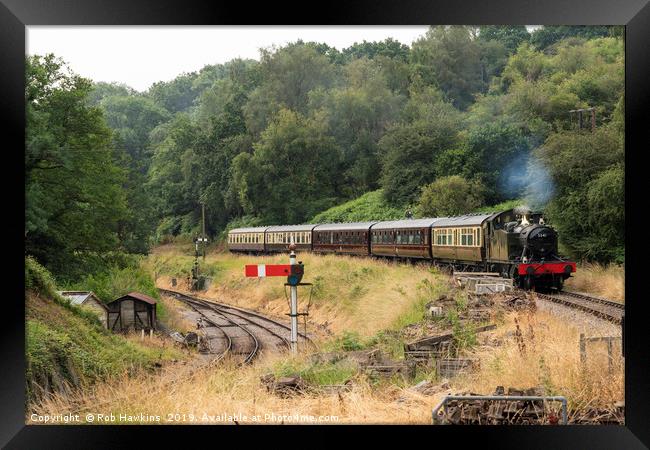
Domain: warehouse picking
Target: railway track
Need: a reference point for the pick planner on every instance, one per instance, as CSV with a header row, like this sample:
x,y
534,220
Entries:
x,y
599,307
245,332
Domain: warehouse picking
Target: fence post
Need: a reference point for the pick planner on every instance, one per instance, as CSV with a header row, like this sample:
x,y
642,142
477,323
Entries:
x,y
583,349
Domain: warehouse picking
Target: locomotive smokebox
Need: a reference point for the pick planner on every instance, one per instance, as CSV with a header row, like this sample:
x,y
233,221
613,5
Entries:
x,y
540,240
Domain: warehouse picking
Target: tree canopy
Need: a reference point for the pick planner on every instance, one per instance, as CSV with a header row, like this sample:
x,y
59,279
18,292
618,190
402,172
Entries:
x,y
464,117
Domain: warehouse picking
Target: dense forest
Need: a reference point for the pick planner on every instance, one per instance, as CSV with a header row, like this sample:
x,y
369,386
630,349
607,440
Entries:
x,y
462,120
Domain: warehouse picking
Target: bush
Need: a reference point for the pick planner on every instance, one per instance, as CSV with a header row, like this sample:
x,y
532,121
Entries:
x,y
450,196
38,278
116,282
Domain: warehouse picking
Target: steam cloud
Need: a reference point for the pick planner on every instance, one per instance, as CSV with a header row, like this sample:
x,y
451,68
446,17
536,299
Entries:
x,y
527,176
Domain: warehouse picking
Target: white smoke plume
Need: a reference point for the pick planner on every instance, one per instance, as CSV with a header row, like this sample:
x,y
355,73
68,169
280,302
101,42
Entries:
x,y
527,177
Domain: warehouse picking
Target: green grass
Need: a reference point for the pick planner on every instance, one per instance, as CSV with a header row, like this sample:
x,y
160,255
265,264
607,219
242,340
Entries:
x,y
66,344
318,374
63,344
370,206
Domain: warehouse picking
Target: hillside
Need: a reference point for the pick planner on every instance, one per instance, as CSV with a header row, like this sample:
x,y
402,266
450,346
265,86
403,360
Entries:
x,y
369,206
66,346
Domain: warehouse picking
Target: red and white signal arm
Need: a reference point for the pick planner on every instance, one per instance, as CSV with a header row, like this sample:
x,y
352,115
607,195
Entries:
x,y
267,270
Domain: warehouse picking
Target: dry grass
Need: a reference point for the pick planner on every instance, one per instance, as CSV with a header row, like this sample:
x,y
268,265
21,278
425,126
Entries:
x,y
362,295
223,391
547,355
176,315
604,281
350,294
550,359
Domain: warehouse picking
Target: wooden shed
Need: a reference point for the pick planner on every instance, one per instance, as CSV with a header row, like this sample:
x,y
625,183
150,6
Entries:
x,y
90,301
133,311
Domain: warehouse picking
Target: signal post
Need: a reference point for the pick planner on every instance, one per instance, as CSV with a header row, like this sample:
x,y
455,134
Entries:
x,y
294,299
294,272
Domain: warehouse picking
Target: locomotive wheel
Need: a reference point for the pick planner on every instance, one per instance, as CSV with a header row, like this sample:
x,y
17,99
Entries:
x,y
528,283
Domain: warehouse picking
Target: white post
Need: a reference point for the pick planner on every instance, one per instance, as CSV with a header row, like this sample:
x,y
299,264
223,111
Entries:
x,y
294,304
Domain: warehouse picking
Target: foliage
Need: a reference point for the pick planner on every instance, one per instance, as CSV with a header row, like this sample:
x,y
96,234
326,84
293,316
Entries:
x,y
308,127
38,279
117,281
74,195
292,172
370,206
449,58
510,36
450,196
589,211
411,150
548,35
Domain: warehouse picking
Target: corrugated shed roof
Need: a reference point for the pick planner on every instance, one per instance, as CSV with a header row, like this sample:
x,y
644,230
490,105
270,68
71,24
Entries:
x,y
406,223
277,228
138,296
76,297
248,230
468,219
344,226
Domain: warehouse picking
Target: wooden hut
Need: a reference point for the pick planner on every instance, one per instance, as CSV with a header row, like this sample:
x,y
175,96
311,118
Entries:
x,y
90,301
133,311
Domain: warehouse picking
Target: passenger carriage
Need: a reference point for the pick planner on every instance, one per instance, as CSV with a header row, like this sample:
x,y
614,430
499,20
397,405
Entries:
x,y
279,237
402,238
459,239
343,238
249,240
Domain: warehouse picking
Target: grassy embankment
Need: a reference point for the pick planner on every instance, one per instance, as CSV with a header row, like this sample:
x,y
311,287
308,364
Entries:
x,y
357,304
67,348
357,295
606,281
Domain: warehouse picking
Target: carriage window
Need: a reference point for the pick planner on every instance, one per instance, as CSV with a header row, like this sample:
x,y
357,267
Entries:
x,y
467,236
411,237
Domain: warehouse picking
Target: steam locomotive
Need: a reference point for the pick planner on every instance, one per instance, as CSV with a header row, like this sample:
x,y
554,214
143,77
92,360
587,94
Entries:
x,y
515,243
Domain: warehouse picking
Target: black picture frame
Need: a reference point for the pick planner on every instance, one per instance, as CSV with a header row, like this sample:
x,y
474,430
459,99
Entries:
x,y
15,15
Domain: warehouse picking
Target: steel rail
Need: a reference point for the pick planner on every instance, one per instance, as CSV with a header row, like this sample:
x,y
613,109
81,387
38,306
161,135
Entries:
x,y
256,343
215,325
604,309
220,310
243,311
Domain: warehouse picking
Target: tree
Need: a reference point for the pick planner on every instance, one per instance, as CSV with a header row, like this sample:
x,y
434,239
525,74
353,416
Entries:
x,y
511,36
292,172
497,153
176,95
588,208
74,200
358,115
410,149
102,90
548,35
450,196
448,58
291,72
389,48
132,118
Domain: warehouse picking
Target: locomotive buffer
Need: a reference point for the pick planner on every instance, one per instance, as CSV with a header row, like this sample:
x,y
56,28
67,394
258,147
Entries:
x,y
294,272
